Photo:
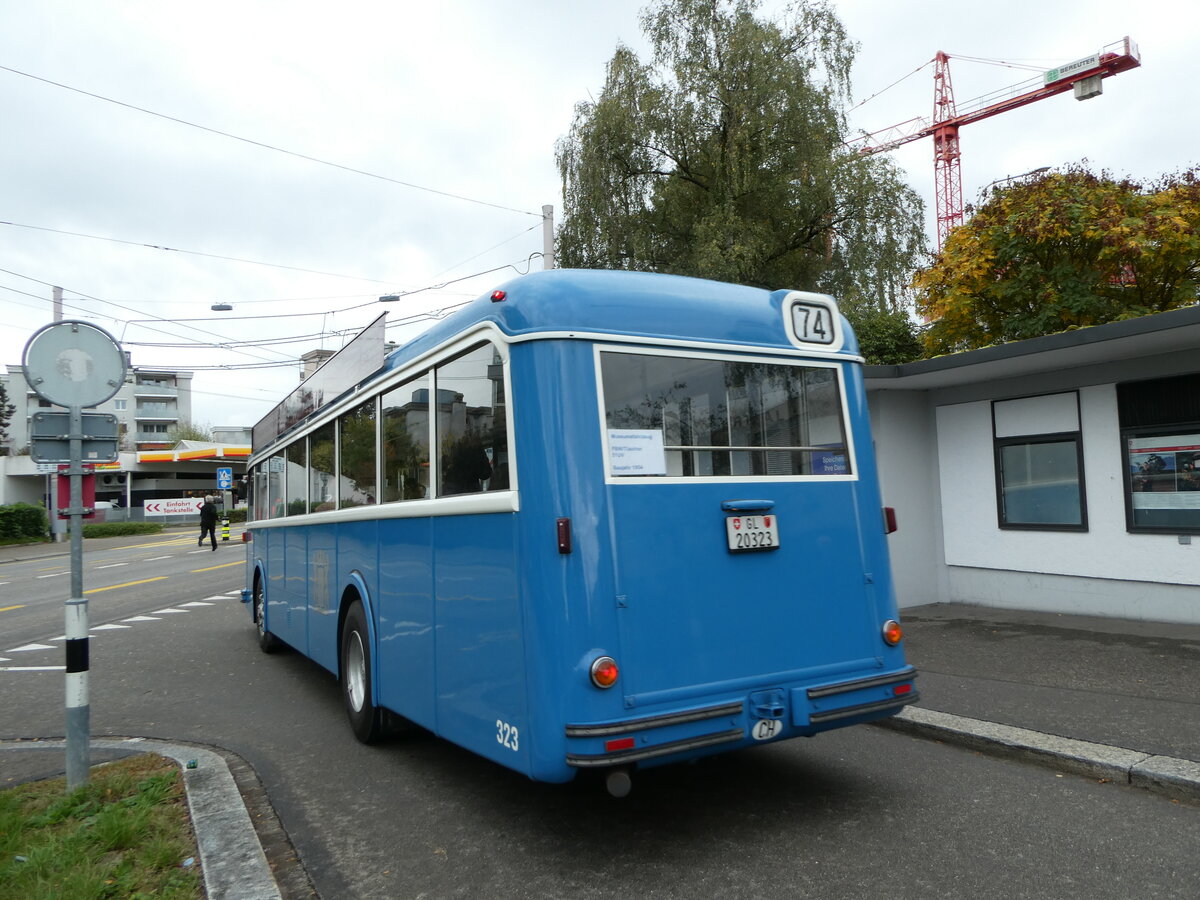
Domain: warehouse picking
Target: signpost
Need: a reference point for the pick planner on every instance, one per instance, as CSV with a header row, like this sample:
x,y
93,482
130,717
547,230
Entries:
x,y
78,366
225,478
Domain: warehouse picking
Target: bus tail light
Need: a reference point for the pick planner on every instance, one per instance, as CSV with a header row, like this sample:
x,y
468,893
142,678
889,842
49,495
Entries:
x,y
247,537
604,672
892,632
889,520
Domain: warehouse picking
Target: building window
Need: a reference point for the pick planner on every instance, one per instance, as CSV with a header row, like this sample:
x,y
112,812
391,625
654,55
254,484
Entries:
x,y
120,404
1160,442
1039,463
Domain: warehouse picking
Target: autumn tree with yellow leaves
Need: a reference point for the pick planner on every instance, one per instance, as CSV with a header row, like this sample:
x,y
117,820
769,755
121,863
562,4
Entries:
x,y
1068,250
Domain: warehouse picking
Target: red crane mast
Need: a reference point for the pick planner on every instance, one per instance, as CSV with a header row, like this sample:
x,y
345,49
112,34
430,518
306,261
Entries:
x,y
1082,75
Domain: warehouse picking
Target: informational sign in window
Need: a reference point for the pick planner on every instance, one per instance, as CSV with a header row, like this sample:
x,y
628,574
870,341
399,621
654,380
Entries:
x,y
636,452
1164,471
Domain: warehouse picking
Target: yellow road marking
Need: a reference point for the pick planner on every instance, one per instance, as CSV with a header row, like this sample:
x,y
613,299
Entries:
x,y
10,608
126,584
240,562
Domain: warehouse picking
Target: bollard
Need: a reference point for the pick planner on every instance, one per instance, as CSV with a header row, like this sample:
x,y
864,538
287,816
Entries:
x,y
225,528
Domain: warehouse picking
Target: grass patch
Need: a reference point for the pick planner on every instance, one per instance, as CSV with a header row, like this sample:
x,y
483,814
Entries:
x,y
125,834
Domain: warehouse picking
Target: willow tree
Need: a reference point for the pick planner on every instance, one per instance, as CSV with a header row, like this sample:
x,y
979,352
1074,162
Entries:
x,y
723,157
1069,250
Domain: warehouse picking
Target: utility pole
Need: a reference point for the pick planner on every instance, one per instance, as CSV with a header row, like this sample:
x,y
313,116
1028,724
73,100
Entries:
x,y
58,304
547,237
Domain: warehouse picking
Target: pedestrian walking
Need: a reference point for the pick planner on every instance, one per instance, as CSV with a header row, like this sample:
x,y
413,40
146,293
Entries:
x,y
208,522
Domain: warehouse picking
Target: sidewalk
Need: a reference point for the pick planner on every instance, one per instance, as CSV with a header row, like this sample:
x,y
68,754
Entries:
x,y
1109,698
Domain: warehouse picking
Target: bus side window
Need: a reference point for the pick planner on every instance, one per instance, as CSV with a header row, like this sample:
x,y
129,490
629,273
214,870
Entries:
x,y
356,440
404,418
322,483
472,435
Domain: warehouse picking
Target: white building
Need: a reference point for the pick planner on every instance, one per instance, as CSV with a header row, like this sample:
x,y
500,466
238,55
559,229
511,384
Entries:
x,y
1055,474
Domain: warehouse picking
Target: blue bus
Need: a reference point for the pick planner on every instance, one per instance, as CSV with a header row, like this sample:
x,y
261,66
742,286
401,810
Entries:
x,y
593,520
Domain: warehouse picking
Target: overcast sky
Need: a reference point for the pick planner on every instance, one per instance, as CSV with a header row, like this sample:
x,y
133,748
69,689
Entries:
x,y
459,97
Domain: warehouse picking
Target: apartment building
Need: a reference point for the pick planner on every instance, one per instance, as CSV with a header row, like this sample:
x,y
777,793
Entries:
x,y
151,403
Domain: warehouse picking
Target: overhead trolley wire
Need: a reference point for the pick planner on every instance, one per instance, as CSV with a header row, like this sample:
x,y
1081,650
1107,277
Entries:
x,y
265,146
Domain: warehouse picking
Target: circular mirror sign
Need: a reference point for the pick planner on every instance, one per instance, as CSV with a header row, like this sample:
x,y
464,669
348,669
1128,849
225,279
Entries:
x,y
74,364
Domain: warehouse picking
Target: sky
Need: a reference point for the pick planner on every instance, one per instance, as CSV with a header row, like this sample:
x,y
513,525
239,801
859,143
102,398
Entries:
x,y
298,160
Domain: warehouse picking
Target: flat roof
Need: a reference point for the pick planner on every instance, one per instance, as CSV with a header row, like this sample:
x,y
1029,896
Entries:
x,y
1152,335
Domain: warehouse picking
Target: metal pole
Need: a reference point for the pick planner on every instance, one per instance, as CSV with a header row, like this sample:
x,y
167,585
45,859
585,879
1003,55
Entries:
x,y
79,711
547,237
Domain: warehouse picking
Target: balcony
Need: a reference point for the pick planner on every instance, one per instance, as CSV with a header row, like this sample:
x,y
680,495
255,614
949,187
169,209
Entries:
x,y
155,390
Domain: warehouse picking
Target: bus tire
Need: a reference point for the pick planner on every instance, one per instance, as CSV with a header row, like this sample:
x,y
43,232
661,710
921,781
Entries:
x,y
267,642
366,719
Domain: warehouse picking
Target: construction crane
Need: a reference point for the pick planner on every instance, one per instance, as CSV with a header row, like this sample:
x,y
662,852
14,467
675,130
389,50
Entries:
x,y
1082,75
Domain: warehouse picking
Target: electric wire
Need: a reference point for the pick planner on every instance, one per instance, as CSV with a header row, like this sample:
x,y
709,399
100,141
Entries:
x,y
265,146
252,262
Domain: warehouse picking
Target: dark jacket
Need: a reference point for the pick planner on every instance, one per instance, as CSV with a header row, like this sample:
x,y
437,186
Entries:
x,y
208,515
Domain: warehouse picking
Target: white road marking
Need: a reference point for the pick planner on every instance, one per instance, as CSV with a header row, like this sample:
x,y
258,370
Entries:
x,y
163,612
112,566
143,619
33,668
52,575
196,603
156,558
29,647
109,627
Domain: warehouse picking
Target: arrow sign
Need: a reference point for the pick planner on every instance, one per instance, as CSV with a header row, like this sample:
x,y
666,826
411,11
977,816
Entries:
x,y
185,506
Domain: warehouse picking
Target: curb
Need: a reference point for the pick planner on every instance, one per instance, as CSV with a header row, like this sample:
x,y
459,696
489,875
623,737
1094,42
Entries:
x,y
231,857
1167,775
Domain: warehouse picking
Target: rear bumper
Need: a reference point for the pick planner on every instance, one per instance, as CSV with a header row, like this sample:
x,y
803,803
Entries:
x,y
792,711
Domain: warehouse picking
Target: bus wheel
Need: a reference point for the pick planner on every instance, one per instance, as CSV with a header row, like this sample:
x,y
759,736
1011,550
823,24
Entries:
x,y
366,720
267,642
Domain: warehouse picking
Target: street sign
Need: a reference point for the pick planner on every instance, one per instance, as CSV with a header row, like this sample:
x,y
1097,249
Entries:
x,y
186,506
225,478
50,437
74,363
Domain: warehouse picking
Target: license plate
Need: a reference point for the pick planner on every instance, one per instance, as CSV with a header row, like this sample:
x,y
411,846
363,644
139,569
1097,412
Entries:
x,y
746,533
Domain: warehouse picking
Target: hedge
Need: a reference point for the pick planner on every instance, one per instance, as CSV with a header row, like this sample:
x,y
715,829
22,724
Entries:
x,y
116,529
23,521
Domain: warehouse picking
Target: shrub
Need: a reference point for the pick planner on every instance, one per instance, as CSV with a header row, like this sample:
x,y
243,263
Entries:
x,y
116,529
23,521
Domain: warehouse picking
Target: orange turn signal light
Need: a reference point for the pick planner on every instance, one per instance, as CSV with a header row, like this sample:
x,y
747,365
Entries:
x,y
604,672
892,632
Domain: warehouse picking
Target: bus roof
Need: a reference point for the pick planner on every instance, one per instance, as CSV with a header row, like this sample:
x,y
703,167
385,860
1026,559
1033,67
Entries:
x,y
624,304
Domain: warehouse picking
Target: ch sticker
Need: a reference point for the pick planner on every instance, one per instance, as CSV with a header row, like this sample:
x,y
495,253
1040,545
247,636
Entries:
x,y
765,729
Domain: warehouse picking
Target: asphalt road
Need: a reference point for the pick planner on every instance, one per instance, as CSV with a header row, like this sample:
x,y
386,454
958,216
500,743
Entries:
x,y
860,812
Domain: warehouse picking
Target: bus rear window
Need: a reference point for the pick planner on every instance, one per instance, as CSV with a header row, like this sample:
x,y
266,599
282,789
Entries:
x,y
694,417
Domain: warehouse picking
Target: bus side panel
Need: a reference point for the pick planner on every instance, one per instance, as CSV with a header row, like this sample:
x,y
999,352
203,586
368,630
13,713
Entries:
x,y
334,553
480,657
404,620
285,595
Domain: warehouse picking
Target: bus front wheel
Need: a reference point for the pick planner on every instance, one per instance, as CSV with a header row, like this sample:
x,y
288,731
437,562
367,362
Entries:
x,y
366,719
